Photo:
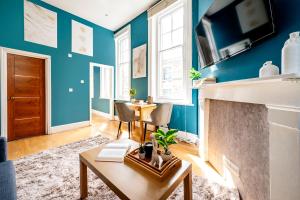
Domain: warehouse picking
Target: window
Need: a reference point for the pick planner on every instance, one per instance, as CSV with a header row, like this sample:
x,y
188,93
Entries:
x,y
105,83
170,54
123,64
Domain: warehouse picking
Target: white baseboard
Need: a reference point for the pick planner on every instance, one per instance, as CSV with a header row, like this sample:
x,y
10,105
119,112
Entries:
x,y
101,114
67,127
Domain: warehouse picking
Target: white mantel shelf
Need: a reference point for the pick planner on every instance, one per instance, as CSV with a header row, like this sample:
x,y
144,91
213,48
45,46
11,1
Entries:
x,y
281,96
282,90
285,77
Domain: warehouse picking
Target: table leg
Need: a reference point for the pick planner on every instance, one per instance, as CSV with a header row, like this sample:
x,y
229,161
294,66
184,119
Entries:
x,y
141,125
188,195
83,181
142,131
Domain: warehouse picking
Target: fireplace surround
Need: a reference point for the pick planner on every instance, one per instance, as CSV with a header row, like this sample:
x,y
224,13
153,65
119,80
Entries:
x,y
250,130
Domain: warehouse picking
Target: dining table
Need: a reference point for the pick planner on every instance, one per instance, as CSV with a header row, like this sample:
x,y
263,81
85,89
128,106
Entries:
x,y
143,111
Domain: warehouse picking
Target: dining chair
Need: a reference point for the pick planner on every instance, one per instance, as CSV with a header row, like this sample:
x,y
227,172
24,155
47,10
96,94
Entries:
x,y
159,117
126,115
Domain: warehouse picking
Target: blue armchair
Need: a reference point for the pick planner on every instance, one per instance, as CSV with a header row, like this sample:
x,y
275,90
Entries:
x,y
7,174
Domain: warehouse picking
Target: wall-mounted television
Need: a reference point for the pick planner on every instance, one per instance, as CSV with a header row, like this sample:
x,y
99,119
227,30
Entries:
x,y
230,27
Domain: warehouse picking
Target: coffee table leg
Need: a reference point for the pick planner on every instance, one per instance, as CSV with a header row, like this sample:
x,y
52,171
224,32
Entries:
x,y
83,181
188,187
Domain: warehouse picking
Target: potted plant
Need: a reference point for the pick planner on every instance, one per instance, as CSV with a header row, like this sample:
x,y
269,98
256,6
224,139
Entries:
x,y
132,93
142,152
165,140
195,76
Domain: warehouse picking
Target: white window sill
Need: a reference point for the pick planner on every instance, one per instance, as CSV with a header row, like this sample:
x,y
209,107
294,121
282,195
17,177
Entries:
x,y
180,103
121,99
104,98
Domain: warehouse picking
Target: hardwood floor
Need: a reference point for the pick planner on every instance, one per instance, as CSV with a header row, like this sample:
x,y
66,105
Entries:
x,y
107,128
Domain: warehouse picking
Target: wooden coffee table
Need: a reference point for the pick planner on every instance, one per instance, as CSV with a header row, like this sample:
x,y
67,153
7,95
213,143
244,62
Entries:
x,y
133,183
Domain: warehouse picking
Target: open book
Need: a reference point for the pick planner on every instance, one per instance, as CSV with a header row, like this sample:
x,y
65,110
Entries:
x,y
113,152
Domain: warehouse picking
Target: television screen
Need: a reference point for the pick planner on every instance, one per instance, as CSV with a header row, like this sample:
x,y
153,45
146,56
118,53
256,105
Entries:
x,y
230,27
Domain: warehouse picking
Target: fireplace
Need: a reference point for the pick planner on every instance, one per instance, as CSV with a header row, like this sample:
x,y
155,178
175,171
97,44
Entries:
x,y
250,132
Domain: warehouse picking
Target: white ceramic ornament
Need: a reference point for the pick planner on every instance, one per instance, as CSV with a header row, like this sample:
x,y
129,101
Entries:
x,y
291,55
268,69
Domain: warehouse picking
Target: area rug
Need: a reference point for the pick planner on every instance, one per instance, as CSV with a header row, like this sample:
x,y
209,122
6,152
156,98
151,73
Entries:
x,y
54,174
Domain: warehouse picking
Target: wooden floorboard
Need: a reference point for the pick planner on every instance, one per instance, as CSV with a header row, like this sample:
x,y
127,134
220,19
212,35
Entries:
x,y
102,126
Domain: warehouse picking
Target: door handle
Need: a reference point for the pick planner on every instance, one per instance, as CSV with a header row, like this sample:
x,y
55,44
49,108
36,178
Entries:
x,y
12,98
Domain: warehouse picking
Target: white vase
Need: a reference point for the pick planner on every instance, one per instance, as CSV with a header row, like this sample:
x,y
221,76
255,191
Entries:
x,y
291,55
268,69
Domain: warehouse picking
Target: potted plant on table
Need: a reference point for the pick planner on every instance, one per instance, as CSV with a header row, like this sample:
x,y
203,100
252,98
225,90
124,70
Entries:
x,y
132,94
165,140
195,77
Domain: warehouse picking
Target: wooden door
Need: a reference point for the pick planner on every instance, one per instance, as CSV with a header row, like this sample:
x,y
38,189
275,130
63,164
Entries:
x,y
26,96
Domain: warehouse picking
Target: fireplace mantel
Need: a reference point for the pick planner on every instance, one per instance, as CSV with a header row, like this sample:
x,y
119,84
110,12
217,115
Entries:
x,y
280,90
281,96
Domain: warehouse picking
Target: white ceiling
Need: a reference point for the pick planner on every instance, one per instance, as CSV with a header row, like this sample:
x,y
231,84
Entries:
x,y
111,14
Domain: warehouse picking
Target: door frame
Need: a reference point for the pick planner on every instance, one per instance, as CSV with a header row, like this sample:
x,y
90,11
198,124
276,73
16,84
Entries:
x,y
91,93
3,73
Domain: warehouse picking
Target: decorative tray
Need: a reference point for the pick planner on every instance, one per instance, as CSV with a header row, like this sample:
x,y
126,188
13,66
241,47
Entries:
x,y
160,172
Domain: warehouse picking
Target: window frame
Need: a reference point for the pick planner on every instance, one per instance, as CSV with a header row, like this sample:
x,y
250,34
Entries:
x,y
159,51
125,32
154,43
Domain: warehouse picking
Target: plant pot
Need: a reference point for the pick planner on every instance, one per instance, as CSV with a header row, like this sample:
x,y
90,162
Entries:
x,y
166,157
142,155
148,149
132,100
197,83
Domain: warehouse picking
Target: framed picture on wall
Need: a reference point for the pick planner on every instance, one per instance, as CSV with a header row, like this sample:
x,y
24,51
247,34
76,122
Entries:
x,y
139,61
82,39
40,25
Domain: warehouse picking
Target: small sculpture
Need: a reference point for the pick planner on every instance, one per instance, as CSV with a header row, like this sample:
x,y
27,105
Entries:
x,y
155,157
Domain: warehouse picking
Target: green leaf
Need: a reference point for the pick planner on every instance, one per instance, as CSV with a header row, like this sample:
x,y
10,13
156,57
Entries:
x,y
166,139
161,132
194,74
171,137
162,143
173,142
158,134
132,92
171,132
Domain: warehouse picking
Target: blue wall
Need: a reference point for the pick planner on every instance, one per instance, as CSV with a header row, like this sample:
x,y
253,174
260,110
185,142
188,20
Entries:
x,y
183,117
139,36
66,72
98,104
247,64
